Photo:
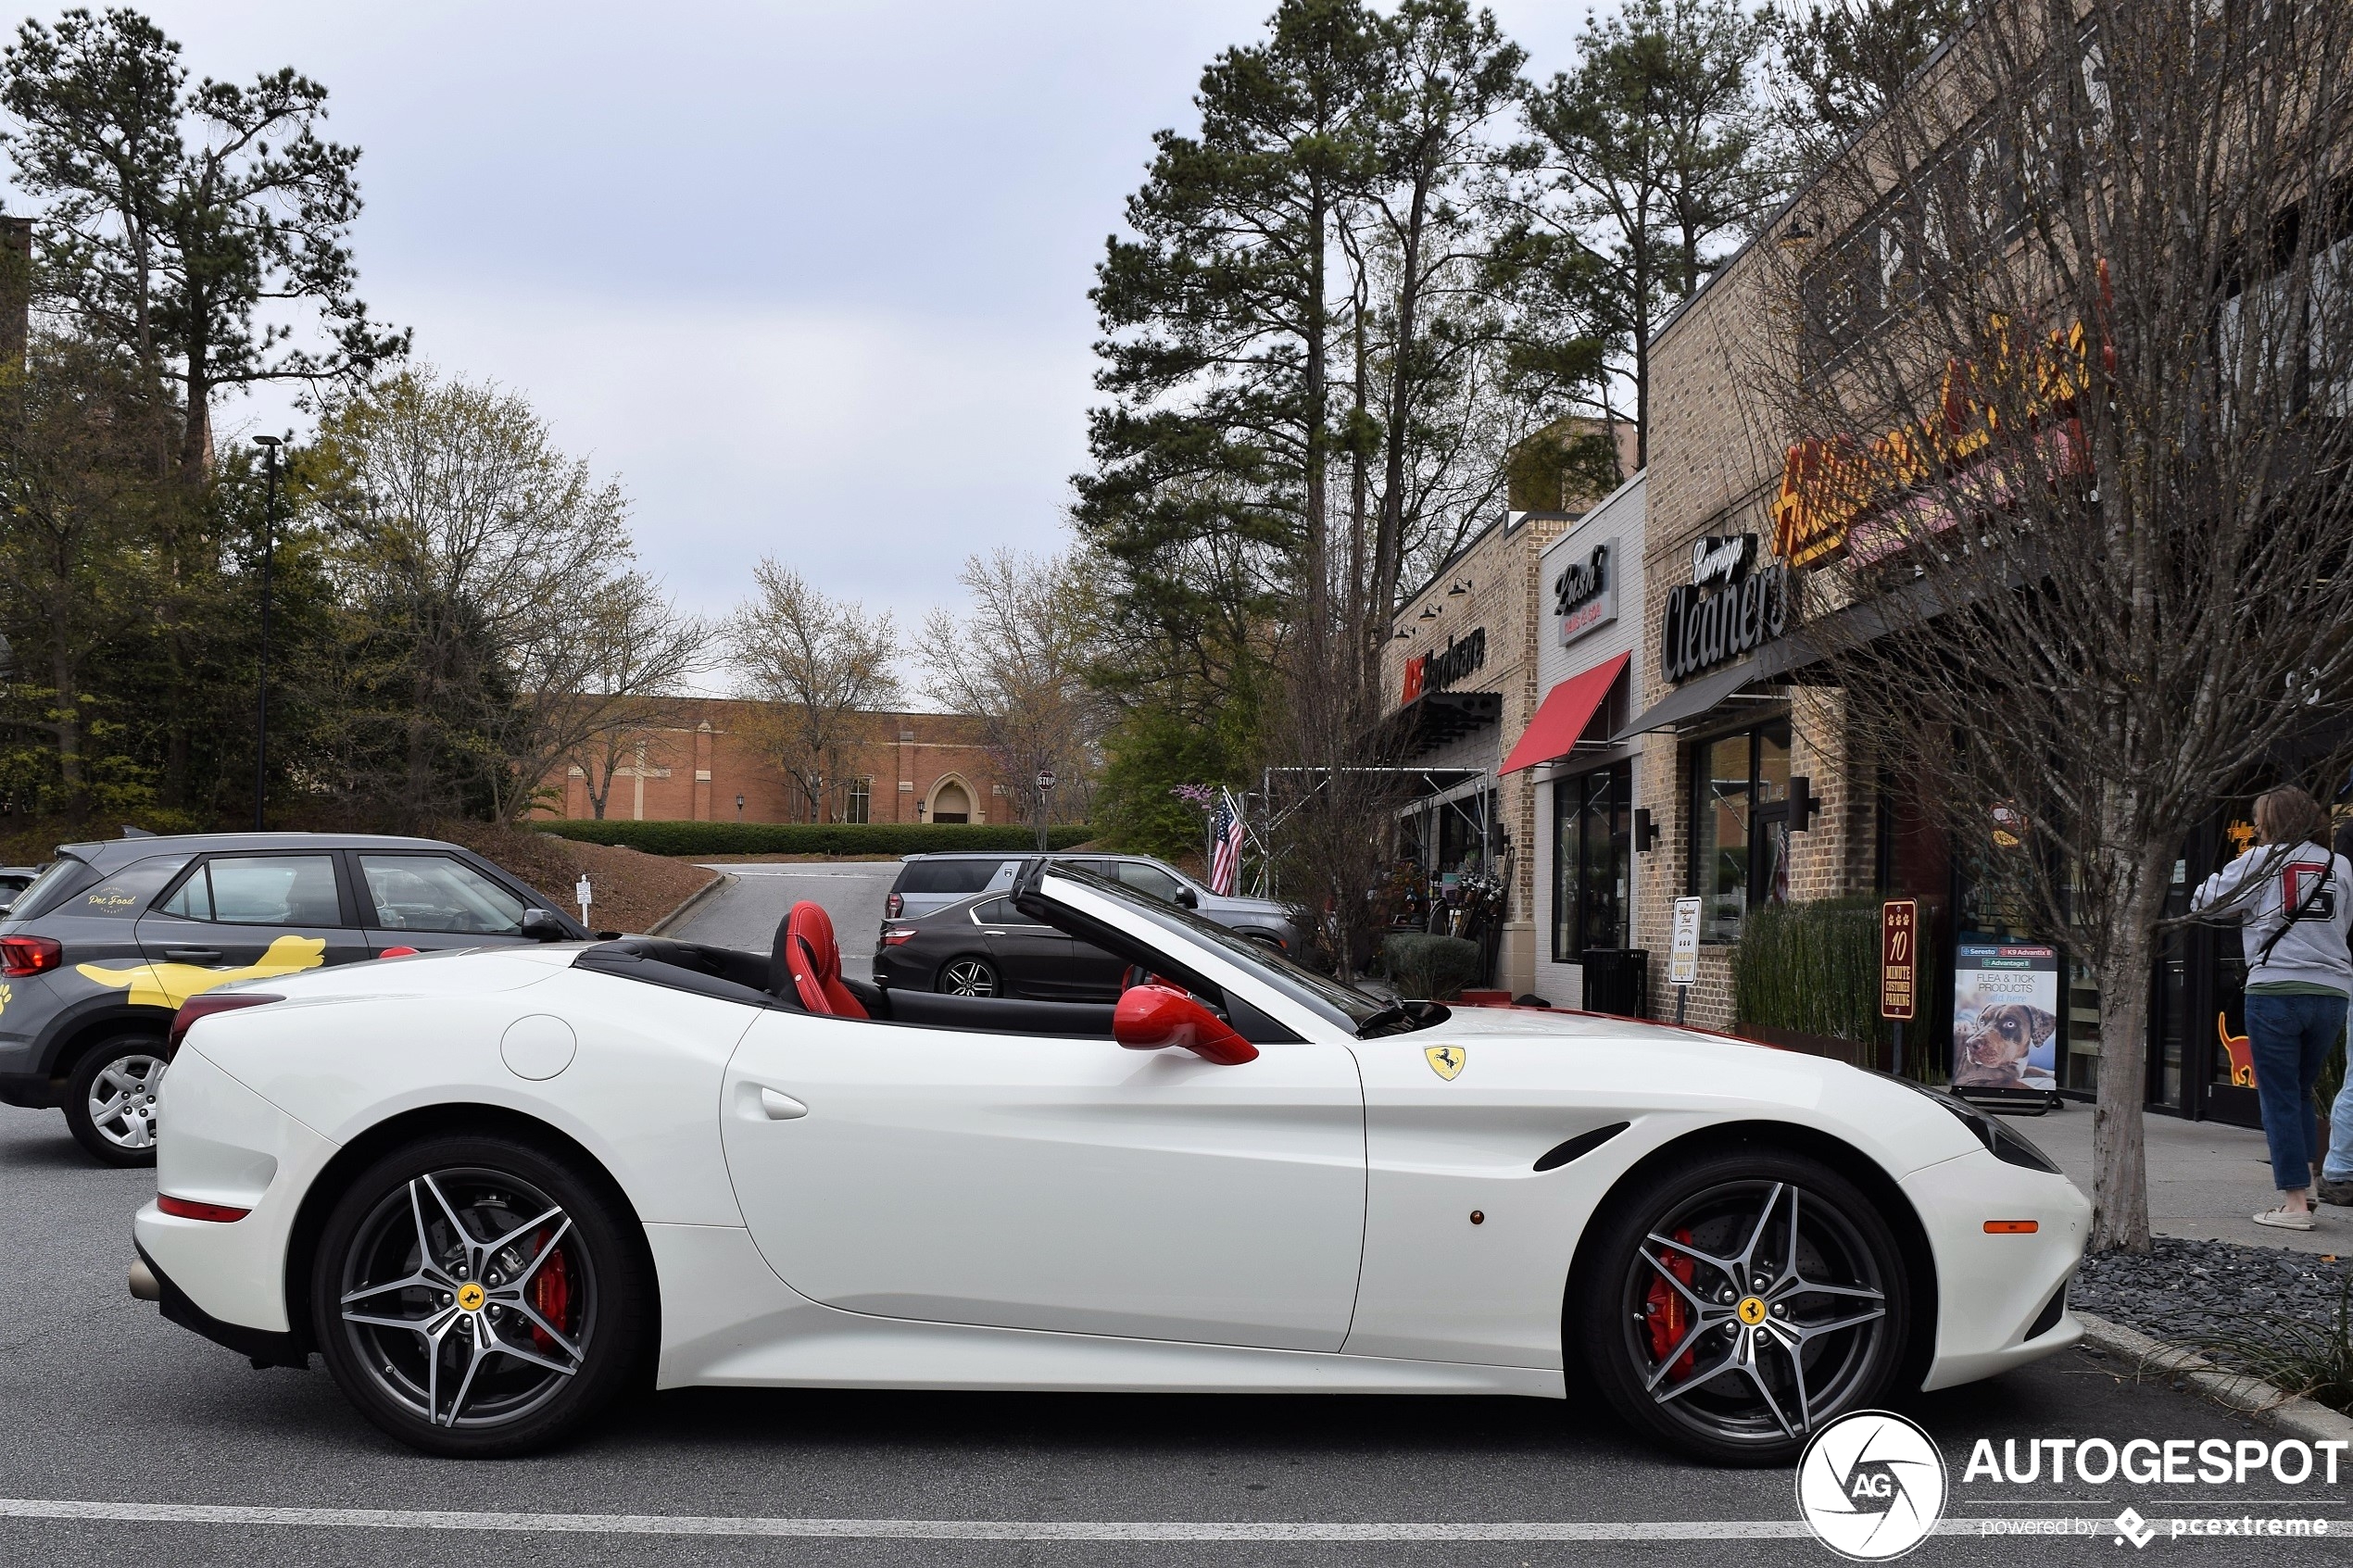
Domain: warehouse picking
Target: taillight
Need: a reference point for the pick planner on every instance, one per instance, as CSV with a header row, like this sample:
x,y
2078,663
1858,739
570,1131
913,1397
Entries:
x,y
20,956
891,938
218,1213
893,907
209,1003
398,953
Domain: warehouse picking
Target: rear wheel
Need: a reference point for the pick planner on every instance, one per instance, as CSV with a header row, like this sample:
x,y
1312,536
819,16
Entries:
x,y
969,977
110,1098
478,1297
1738,1303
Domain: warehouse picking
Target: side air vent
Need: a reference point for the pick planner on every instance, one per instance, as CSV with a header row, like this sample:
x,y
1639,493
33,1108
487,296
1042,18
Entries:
x,y
1579,1147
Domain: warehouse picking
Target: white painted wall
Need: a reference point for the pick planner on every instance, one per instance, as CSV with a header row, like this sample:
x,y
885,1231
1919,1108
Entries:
x,y
1620,518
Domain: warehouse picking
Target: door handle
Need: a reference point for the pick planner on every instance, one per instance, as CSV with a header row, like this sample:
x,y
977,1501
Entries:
x,y
192,955
781,1107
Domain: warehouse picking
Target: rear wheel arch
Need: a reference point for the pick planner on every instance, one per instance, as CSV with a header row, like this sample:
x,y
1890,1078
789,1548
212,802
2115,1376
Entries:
x,y
1895,1208
110,1023
438,1121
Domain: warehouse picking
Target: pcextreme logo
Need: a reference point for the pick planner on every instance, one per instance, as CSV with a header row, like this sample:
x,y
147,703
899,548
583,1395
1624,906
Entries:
x,y
1871,1485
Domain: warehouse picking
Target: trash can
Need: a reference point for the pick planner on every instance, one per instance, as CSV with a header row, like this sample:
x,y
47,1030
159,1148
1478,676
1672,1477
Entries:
x,y
1615,980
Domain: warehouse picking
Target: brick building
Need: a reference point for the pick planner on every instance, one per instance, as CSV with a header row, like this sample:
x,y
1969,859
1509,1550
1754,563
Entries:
x,y
1461,672
919,766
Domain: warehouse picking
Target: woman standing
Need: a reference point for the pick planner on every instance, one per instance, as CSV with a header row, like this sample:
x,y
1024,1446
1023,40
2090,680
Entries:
x,y
2295,896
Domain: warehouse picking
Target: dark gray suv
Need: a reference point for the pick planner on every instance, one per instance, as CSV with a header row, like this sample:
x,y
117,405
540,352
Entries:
x,y
98,953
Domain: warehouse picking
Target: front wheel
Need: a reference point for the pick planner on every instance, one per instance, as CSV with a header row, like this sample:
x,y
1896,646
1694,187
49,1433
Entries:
x,y
1735,1304
110,1098
478,1297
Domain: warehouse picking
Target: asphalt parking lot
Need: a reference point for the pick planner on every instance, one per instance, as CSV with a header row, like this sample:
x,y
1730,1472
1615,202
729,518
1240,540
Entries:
x,y
107,1404
745,914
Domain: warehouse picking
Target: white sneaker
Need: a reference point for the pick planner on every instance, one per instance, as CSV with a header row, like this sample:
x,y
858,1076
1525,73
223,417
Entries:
x,y
2286,1219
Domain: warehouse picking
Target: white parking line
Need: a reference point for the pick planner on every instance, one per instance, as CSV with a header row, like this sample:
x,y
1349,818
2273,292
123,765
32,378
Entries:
x,y
968,1529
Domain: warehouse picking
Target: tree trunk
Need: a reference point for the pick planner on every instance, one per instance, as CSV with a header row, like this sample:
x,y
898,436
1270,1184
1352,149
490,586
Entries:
x,y
67,704
2119,1156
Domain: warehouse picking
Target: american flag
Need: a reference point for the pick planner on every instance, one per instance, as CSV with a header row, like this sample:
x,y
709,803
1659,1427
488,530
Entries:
x,y
1226,833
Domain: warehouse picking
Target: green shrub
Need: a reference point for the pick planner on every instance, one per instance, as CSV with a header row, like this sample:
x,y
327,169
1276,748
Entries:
x,y
809,838
1433,967
1812,967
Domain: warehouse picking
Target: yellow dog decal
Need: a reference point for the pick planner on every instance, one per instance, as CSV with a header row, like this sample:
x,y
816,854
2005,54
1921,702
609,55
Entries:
x,y
169,984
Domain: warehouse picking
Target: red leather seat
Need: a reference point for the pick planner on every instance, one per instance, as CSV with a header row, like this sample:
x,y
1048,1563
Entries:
x,y
811,961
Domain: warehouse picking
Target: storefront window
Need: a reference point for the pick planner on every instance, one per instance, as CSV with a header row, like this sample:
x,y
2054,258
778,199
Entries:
x,y
1739,825
1591,817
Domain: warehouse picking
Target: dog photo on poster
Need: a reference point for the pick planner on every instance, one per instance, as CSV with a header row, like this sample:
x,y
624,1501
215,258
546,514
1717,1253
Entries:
x,y
2006,1016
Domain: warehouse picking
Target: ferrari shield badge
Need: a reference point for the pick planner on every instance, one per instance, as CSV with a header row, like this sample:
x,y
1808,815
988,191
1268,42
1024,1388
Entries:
x,y
1446,1060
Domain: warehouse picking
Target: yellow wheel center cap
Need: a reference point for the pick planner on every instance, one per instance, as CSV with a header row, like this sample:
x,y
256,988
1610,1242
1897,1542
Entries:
x,y
470,1296
1751,1309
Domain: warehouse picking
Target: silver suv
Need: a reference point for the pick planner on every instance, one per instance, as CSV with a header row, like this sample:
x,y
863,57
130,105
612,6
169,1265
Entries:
x,y
930,883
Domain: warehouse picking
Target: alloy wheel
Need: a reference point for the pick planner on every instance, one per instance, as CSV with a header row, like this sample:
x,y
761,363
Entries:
x,y
120,1101
1751,1311
468,1299
968,978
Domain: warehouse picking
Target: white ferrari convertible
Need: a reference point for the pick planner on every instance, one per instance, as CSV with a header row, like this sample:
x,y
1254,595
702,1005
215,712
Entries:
x,y
492,1189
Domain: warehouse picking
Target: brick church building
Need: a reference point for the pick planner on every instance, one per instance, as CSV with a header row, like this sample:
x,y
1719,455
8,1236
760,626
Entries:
x,y
918,767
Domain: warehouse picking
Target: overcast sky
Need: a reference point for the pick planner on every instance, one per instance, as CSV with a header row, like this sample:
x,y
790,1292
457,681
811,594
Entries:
x,y
809,277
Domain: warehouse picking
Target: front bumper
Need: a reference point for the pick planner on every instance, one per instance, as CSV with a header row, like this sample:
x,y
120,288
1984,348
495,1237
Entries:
x,y
1994,1291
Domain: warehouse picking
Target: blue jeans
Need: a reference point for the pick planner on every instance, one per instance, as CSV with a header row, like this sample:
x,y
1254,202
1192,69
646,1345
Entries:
x,y
2289,1038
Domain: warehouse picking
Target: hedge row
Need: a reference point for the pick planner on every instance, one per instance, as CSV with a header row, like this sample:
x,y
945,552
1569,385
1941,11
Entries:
x,y
809,838
1811,967
1433,967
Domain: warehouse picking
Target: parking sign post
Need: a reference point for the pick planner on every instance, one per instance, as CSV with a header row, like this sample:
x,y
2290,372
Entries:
x,y
583,895
1682,953
1899,962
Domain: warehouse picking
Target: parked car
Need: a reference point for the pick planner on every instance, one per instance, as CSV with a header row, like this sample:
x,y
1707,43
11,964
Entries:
x,y
928,884
985,947
492,1189
13,880
111,937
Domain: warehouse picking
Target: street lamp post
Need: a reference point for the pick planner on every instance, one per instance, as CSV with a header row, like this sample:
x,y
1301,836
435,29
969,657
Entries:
x,y
262,682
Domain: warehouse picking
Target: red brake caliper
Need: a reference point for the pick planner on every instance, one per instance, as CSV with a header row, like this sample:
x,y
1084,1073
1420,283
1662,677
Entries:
x,y
551,1299
1670,1319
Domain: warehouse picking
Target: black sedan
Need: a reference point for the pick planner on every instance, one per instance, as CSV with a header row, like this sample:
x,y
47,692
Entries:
x,y
983,946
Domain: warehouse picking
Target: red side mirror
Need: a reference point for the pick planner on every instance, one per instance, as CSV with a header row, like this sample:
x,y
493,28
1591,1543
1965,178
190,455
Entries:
x,y
1153,1018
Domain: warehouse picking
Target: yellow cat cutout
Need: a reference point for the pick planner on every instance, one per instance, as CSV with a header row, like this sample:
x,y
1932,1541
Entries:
x,y
169,984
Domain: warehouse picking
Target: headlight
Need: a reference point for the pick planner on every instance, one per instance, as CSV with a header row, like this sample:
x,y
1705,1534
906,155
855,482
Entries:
x,y
2001,1141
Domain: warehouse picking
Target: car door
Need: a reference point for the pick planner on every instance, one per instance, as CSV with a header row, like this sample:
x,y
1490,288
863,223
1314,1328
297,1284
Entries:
x,y
1033,959
243,915
949,1176
417,898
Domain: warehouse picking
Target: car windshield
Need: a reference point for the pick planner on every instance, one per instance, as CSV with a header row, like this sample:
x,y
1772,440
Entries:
x,y
1344,1005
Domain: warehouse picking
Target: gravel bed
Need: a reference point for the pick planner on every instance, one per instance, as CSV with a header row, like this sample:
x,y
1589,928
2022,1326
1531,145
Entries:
x,y
2190,1292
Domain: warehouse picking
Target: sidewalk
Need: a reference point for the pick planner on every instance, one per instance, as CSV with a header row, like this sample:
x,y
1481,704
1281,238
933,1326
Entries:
x,y
2206,1179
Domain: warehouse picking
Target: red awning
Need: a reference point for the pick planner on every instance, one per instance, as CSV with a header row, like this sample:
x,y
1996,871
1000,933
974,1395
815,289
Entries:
x,y
1560,721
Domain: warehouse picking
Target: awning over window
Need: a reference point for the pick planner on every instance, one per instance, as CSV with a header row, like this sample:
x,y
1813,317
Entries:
x,y
1561,719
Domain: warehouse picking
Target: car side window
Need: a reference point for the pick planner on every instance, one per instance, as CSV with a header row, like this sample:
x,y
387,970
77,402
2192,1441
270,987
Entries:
x,y
435,893
1149,880
266,890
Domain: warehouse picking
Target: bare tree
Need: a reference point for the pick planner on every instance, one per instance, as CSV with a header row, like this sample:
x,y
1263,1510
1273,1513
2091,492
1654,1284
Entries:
x,y
2071,357
473,554
1019,660
818,669
636,651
